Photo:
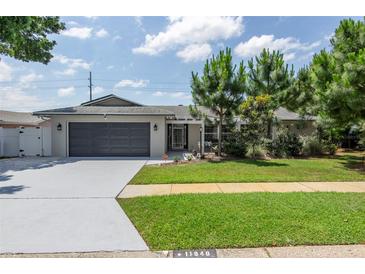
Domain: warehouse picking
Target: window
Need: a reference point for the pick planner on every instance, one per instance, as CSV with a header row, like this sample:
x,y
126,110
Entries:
x,y
211,135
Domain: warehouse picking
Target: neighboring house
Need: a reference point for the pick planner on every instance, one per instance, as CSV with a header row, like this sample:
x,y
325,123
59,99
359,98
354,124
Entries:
x,y
113,126
12,119
23,134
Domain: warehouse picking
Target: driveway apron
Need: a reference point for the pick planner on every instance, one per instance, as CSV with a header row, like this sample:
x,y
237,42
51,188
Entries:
x,y
65,205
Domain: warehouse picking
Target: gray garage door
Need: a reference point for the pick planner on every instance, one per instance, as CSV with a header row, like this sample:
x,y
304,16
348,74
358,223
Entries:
x,y
109,139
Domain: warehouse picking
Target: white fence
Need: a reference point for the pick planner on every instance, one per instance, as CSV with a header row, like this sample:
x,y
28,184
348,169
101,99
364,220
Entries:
x,y
25,141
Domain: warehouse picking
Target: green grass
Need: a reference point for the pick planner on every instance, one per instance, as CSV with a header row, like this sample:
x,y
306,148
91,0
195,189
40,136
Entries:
x,y
342,168
248,220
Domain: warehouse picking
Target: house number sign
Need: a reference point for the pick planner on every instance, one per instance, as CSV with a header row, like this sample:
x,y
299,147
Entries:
x,y
195,253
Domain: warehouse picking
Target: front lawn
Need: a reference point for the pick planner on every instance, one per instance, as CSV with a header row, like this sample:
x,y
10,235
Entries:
x,y
342,168
248,220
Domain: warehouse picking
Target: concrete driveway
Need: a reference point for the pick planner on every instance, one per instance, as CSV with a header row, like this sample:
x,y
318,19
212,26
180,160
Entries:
x,y
65,205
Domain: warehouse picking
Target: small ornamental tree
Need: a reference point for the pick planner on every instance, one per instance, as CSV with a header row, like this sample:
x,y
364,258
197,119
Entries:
x,y
25,37
220,89
255,113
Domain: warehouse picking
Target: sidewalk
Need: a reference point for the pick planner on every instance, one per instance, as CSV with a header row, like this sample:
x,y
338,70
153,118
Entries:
x,y
167,189
326,251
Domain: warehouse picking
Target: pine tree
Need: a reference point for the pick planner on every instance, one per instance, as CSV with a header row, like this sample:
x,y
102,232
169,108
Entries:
x,y
221,89
268,74
300,97
339,75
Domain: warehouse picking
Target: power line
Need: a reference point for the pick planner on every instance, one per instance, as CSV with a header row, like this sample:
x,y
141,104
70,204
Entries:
x,y
118,80
42,81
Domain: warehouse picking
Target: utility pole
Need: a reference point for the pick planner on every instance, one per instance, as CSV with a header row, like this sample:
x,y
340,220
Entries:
x,y
90,86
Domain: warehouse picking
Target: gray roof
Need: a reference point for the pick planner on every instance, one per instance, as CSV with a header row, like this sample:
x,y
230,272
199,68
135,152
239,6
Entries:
x,y
98,110
19,118
284,114
106,97
177,112
182,112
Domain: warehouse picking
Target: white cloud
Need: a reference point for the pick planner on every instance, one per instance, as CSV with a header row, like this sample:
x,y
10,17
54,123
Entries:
x,y
138,20
18,96
78,32
178,94
159,93
329,36
67,72
92,17
16,99
65,92
5,71
110,67
26,81
30,77
117,38
286,45
289,56
131,83
101,33
98,90
173,19
194,52
182,31
72,64
72,23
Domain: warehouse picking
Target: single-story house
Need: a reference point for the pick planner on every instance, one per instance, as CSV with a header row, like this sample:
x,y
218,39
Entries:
x,y
114,126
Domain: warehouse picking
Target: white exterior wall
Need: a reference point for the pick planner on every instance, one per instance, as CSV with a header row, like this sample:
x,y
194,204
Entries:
x,y
47,141
60,138
194,137
9,142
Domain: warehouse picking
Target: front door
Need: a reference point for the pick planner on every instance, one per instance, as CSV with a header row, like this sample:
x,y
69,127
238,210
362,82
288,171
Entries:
x,y
178,136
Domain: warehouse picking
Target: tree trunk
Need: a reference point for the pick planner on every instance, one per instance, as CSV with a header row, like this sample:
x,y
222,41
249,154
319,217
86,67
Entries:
x,y
220,135
253,156
269,129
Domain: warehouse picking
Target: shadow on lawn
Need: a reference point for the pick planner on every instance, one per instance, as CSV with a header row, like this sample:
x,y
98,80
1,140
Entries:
x,y
352,162
259,163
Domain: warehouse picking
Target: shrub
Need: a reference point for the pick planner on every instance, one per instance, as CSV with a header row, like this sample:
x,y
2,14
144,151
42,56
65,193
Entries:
x,y
260,152
285,144
331,149
177,159
312,146
235,145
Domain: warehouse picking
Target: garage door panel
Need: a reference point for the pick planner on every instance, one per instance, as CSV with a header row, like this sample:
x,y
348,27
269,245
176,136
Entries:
x,y
109,139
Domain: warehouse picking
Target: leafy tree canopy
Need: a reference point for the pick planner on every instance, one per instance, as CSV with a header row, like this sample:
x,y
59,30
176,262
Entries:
x,y
25,37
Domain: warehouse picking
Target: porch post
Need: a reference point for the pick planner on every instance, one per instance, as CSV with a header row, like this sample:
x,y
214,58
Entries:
x,y
202,138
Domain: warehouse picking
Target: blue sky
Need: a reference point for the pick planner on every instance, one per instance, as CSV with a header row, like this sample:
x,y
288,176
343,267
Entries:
x,y
150,59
